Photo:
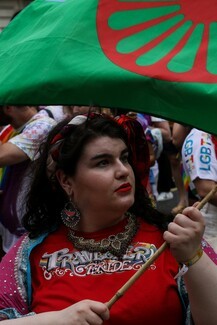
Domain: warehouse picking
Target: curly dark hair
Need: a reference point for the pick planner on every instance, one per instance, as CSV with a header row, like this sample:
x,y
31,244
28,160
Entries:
x,y
46,197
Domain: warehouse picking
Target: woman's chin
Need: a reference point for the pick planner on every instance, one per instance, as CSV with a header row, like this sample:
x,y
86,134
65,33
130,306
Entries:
x,y
125,206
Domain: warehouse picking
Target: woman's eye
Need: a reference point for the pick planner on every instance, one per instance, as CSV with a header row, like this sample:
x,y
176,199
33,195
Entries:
x,y
125,159
102,163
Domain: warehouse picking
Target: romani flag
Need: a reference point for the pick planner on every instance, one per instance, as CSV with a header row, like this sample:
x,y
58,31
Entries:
x,y
157,57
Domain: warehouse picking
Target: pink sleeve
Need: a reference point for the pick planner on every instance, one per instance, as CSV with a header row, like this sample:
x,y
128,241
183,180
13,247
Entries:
x,y
12,272
209,251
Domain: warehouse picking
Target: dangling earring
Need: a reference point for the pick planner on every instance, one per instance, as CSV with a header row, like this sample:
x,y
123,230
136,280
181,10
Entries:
x,y
70,215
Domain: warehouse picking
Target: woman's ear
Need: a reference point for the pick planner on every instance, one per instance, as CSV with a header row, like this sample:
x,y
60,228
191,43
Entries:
x,y
65,182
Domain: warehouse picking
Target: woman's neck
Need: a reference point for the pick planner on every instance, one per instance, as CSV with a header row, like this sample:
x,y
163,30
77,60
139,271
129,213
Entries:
x,y
96,224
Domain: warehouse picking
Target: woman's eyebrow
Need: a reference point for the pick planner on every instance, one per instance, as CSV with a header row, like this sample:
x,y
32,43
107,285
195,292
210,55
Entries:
x,y
107,155
101,155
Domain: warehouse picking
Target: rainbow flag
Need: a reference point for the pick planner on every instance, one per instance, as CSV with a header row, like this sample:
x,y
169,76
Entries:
x,y
186,178
156,57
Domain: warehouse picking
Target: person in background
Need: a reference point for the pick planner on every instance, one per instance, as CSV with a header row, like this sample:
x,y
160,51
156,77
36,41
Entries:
x,y
200,164
174,156
21,137
74,110
158,130
180,133
90,227
142,125
145,121
55,112
162,169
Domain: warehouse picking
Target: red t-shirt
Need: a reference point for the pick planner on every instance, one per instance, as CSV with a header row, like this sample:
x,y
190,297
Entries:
x,y
61,276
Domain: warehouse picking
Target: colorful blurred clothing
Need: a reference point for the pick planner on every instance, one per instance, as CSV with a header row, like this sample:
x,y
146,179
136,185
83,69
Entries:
x,y
15,178
199,161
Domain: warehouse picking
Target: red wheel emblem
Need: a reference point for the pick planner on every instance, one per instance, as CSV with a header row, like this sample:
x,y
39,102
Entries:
x,y
168,40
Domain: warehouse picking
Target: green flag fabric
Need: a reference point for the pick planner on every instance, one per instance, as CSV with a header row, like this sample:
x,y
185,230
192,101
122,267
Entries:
x,y
157,57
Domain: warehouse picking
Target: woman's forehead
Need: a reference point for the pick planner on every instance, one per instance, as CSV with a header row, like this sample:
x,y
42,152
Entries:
x,y
104,144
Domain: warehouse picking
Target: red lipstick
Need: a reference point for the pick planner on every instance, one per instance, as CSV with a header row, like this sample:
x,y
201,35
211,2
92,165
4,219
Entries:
x,y
126,187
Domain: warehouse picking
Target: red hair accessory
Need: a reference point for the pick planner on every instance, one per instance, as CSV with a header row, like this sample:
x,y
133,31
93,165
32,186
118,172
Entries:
x,y
138,145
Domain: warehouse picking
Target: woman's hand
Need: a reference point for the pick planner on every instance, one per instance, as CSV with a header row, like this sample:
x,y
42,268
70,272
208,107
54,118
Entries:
x,y
85,312
185,233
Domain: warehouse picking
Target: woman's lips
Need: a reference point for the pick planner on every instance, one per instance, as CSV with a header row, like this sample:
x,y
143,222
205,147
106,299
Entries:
x,y
124,188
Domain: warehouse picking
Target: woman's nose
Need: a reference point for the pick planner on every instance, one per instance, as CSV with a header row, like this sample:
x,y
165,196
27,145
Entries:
x,y
122,170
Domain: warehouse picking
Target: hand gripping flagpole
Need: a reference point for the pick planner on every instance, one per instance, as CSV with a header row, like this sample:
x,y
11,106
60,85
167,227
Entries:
x,y
145,266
